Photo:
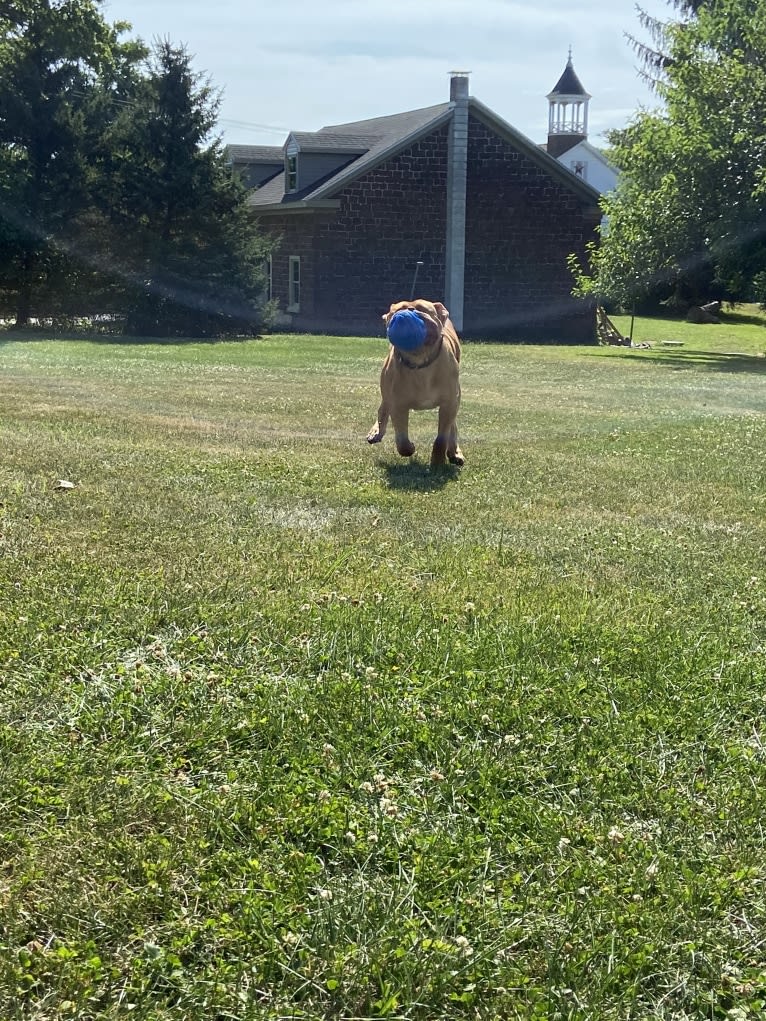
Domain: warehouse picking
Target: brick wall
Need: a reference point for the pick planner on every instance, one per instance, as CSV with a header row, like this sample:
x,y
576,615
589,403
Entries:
x,y
388,220
521,224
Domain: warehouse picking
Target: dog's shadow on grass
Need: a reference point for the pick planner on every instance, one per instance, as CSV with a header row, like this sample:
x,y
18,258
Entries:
x,y
418,477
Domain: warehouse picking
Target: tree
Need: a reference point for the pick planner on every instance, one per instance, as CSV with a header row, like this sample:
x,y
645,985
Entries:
x,y
687,222
187,250
55,56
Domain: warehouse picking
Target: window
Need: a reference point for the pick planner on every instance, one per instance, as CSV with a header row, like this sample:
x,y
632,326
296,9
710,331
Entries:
x,y
291,169
294,285
268,272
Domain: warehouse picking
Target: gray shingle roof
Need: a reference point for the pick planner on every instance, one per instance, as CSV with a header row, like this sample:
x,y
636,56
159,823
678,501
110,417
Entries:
x,y
333,140
255,153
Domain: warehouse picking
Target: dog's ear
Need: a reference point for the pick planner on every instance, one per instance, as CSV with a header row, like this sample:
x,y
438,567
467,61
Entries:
x,y
442,312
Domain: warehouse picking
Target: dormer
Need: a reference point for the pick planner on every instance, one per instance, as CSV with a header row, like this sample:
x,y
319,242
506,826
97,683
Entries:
x,y
311,157
255,164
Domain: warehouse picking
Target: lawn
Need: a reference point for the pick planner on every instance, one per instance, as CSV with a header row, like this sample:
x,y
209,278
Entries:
x,y
292,728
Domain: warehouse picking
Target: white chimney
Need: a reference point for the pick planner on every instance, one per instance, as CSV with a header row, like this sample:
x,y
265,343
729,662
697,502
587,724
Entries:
x,y
457,175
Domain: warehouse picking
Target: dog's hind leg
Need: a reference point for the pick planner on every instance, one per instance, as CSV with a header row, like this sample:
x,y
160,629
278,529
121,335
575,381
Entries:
x,y
378,431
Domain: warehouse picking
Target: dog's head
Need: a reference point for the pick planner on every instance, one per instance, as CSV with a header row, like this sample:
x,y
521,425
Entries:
x,y
432,313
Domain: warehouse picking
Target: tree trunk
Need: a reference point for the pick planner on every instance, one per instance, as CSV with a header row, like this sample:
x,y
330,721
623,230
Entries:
x,y
24,301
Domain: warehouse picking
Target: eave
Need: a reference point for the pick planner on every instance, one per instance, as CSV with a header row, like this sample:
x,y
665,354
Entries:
x,y
294,208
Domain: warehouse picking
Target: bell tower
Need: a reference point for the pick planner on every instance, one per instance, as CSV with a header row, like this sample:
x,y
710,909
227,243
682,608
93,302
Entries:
x,y
567,112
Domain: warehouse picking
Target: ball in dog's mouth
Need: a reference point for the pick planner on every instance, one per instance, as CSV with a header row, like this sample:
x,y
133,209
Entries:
x,y
406,330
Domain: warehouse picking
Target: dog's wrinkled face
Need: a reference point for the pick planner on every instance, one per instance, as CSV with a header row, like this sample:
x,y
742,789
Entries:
x,y
433,314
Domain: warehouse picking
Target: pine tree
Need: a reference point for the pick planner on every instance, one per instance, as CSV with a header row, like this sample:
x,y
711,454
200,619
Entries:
x,y
55,55
189,253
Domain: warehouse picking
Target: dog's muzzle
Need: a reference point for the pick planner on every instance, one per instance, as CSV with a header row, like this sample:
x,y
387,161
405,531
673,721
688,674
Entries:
x,y
406,330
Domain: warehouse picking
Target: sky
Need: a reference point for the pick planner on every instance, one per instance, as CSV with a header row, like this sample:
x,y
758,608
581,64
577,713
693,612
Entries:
x,y
298,65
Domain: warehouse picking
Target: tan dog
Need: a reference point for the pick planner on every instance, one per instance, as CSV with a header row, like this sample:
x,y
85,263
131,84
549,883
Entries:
x,y
427,377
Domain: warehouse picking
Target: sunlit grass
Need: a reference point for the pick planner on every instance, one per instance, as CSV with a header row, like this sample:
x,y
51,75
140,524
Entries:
x,y
292,728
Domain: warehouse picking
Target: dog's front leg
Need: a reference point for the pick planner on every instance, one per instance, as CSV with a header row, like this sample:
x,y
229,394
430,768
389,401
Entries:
x,y
378,431
454,453
445,445
400,419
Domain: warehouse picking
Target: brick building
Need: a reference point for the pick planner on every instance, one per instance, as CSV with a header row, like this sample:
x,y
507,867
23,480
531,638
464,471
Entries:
x,y
449,202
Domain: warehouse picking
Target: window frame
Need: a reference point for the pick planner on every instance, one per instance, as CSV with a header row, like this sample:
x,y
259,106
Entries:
x,y
291,173
268,267
294,283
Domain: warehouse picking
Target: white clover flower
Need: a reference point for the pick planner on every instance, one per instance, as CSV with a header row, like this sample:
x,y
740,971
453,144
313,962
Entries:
x,y
388,808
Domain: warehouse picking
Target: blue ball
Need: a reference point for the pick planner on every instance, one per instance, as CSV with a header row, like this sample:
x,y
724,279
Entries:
x,y
406,330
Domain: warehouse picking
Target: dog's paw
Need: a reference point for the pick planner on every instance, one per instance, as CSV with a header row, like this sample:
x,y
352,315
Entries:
x,y
374,436
457,458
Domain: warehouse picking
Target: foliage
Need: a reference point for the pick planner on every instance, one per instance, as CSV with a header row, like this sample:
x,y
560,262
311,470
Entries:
x,y
112,195
688,219
55,56
188,250
292,729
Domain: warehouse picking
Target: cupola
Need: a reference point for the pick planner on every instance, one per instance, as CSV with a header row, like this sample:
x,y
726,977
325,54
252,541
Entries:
x,y
567,112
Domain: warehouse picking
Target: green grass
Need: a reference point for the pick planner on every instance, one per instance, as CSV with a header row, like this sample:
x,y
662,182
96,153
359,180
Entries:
x,y
291,728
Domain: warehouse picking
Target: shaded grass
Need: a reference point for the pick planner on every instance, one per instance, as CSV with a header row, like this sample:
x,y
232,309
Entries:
x,y
735,344
291,728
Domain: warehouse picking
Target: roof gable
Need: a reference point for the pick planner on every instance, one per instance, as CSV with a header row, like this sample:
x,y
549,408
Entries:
x,y
531,149
384,136
592,152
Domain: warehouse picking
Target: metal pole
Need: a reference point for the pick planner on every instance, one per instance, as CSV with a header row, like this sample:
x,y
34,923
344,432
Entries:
x,y
418,264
